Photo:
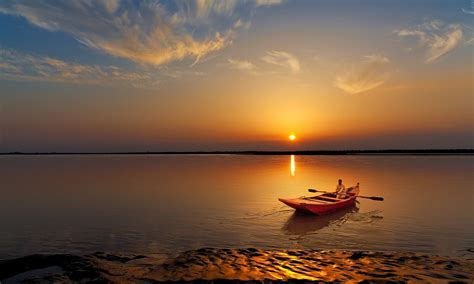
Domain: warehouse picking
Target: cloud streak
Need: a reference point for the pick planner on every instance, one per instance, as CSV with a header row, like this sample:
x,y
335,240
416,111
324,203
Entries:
x,y
147,32
437,38
26,67
244,65
367,75
284,59
471,12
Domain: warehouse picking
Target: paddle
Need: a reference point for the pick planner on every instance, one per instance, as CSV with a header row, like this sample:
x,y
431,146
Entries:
x,y
368,197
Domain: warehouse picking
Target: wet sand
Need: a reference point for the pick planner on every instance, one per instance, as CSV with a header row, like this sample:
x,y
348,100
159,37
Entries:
x,y
251,264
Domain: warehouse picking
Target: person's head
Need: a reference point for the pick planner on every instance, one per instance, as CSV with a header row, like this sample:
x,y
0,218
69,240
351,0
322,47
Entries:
x,y
340,181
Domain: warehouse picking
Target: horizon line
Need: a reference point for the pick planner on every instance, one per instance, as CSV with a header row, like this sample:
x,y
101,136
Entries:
x,y
263,152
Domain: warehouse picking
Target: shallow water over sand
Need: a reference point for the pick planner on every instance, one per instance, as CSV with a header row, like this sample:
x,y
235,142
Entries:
x,y
167,204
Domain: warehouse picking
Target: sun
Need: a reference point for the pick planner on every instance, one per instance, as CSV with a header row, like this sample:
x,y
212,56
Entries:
x,y
292,137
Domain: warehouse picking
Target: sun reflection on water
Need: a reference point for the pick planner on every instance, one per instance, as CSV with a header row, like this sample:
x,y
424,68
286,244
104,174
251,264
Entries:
x,y
292,165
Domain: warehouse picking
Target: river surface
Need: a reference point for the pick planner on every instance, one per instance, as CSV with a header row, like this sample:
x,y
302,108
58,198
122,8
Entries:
x,y
153,204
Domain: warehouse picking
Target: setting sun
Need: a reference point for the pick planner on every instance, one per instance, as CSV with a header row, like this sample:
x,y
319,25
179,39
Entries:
x,y
292,137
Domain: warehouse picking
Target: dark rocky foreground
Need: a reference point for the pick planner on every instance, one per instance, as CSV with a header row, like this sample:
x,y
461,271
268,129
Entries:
x,y
232,265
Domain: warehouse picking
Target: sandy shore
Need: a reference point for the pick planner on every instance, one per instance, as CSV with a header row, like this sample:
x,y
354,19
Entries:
x,y
239,264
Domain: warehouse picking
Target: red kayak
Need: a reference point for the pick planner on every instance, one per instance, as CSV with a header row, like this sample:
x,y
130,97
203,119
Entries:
x,y
324,203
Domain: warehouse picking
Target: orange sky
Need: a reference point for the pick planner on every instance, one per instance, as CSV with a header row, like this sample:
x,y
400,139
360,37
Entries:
x,y
332,73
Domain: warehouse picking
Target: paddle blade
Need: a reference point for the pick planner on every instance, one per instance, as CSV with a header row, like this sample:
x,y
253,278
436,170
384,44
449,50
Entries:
x,y
376,198
312,190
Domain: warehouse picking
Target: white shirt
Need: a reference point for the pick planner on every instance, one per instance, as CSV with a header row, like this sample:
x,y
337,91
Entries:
x,y
341,191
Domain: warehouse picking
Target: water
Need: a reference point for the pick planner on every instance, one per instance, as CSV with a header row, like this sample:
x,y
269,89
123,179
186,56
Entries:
x,y
167,204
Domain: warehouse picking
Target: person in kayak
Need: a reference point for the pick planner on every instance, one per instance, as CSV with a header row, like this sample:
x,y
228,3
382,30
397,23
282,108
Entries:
x,y
341,191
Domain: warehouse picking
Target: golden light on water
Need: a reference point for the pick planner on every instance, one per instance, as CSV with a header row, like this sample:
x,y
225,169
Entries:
x,y
292,165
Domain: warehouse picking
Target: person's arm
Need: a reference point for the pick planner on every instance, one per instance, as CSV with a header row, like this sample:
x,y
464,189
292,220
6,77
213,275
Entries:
x,y
343,190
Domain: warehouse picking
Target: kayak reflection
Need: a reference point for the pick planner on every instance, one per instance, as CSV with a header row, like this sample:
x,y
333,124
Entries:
x,y
301,223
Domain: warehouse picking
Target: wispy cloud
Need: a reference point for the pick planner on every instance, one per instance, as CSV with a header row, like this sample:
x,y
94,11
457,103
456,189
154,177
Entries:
x,y
239,24
241,64
148,32
467,11
367,75
285,59
268,2
438,39
20,66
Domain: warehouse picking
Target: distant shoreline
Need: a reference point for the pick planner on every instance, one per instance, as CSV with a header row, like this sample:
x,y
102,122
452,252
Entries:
x,y
395,152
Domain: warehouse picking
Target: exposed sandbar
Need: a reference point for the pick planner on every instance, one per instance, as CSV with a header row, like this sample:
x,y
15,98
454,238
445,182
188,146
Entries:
x,y
240,264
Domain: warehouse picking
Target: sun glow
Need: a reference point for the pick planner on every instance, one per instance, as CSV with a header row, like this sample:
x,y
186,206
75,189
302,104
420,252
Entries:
x,y
292,137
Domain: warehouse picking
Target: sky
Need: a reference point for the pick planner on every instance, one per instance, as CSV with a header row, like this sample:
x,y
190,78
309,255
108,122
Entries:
x,y
203,75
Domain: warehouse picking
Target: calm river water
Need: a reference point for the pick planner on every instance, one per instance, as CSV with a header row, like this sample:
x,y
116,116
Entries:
x,y
171,203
